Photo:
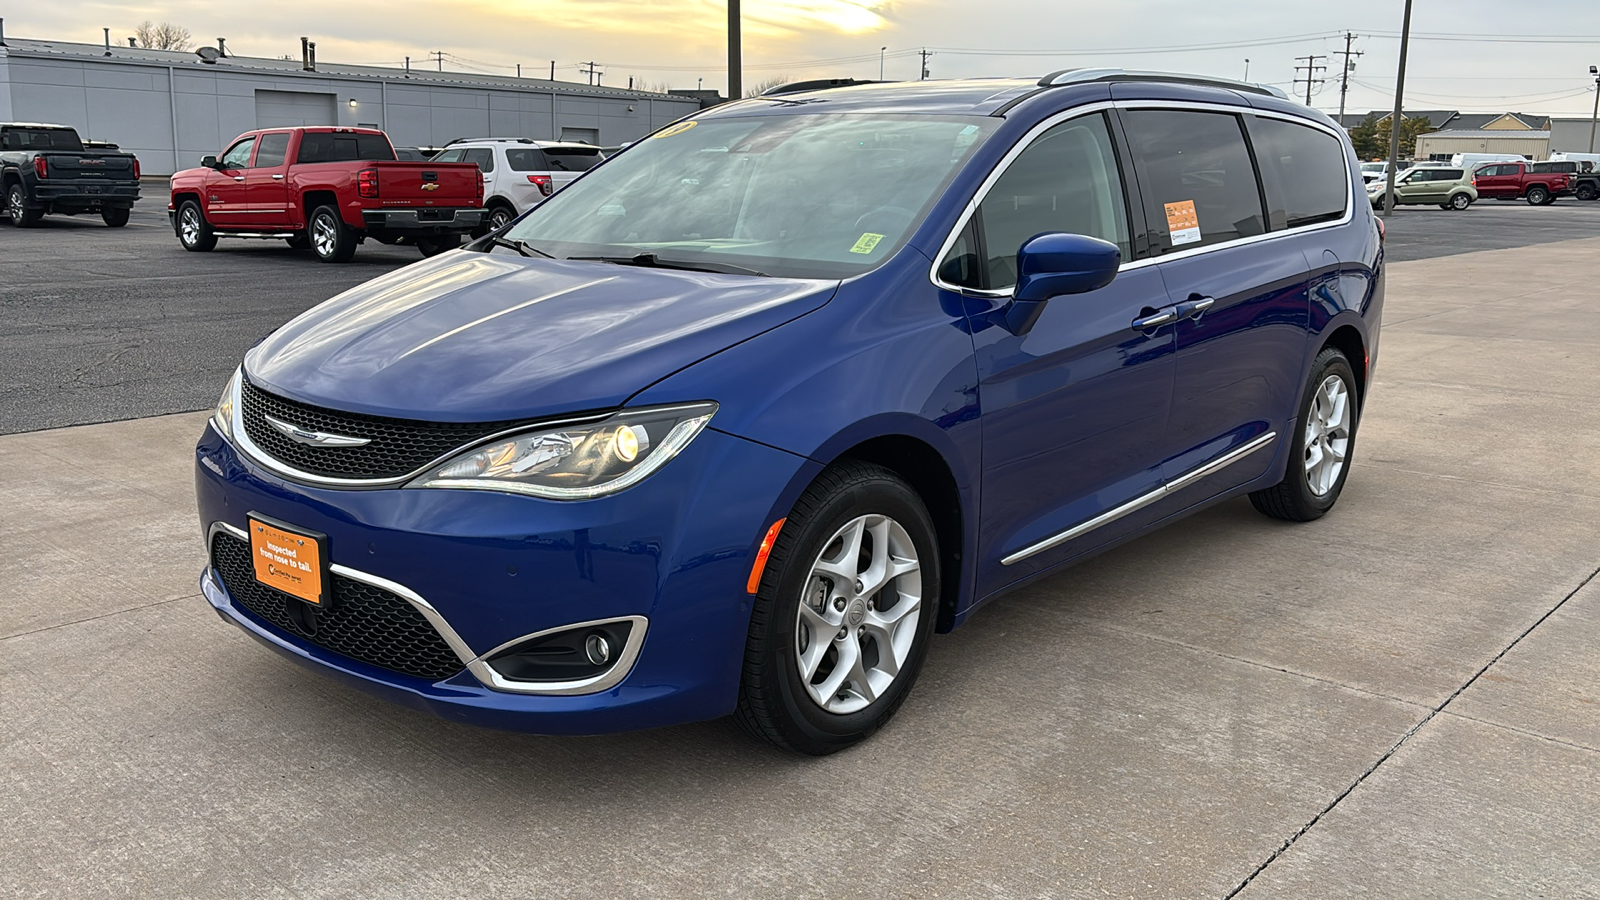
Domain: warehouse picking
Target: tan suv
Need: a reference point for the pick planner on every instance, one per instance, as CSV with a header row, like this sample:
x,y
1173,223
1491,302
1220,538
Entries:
x,y
1444,186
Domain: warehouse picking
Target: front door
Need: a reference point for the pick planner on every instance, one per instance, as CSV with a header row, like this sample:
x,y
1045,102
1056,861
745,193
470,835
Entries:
x,y
1074,408
226,201
265,190
1498,180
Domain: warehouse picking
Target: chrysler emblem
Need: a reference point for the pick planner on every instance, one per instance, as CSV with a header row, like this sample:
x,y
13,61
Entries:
x,y
315,438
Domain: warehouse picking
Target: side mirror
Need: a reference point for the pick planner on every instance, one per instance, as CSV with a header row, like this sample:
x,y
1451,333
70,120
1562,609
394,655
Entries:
x,y
1054,264
208,162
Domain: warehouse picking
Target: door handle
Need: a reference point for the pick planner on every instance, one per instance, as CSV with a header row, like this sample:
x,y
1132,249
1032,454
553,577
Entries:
x,y
1193,309
277,178
238,178
1164,316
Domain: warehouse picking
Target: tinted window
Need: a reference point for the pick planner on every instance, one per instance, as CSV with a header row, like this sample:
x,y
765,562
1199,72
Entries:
x,y
525,159
409,154
327,146
238,156
482,157
1304,170
1199,184
449,156
274,147
1067,180
41,139
572,159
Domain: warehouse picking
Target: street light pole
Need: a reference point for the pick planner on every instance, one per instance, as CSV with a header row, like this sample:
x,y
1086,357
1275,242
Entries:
x,y
1394,119
735,66
881,51
1247,68
1594,117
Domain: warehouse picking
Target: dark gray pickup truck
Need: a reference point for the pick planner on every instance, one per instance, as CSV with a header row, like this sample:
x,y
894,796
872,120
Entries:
x,y
46,169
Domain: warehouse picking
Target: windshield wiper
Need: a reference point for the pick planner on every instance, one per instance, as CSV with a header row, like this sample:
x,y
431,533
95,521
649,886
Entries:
x,y
522,247
652,261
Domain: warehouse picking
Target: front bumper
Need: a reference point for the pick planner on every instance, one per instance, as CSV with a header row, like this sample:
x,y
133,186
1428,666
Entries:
x,y
415,221
674,550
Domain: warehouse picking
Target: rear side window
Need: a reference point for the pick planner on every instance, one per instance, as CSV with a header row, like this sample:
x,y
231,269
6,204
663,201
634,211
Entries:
x,y
449,156
1199,184
326,146
482,157
38,139
1304,171
274,147
526,159
573,159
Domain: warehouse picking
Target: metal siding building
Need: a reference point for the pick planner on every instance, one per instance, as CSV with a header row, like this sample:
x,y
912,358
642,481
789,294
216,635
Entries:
x,y
171,108
1444,144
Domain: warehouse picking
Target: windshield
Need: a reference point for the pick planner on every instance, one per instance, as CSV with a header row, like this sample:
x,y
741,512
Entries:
x,y
1374,167
818,196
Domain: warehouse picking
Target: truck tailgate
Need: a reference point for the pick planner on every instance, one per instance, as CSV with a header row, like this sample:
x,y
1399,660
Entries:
x,y
427,184
89,164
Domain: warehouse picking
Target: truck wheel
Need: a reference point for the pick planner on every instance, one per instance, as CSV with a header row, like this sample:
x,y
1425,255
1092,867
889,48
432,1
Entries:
x,y
1538,196
193,232
17,208
114,217
1460,202
331,239
433,246
1586,192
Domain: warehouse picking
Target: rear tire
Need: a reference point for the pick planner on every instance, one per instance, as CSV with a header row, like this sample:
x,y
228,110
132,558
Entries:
x,y
331,239
114,217
1538,196
433,246
17,208
1586,192
193,232
1325,434
1459,202
829,659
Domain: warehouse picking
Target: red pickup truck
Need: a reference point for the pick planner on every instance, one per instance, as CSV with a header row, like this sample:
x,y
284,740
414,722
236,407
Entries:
x,y
1511,180
325,190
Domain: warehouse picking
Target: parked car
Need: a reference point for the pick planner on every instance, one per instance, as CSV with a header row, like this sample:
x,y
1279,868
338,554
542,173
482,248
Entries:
x,y
1374,171
735,423
326,190
46,169
1521,179
520,172
1582,181
1444,186
411,154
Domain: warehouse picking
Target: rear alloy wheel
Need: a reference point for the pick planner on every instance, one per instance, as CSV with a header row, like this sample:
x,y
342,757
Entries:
x,y
17,208
114,217
499,216
331,240
1538,196
1460,202
1319,457
1586,192
844,615
193,232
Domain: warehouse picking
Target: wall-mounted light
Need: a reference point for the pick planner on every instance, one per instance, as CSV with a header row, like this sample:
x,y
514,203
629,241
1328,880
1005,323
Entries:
x,y
352,104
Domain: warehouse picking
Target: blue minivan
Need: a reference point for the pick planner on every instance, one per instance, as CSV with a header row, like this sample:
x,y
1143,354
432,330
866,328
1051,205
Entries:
x,y
738,420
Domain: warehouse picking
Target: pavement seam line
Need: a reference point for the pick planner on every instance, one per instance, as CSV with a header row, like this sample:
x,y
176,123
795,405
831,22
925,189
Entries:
x,y
1303,829
1522,731
1381,464
108,615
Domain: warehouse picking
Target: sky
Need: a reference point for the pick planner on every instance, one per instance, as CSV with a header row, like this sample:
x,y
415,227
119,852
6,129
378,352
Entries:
x,y
1470,55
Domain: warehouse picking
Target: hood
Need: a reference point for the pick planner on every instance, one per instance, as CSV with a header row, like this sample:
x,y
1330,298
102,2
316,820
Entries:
x,y
475,337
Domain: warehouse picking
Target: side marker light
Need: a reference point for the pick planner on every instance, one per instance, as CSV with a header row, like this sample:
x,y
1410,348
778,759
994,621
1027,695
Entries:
x,y
761,556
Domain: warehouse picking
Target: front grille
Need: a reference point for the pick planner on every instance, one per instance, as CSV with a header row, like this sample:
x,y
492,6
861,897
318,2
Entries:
x,y
362,622
399,446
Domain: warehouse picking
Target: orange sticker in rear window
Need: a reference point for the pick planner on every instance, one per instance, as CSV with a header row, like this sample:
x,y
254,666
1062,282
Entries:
x,y
1183,223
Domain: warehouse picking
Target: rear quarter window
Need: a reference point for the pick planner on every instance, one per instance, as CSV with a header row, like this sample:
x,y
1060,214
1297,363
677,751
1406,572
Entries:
x,y
1304,171
572,159
1195,172
526,159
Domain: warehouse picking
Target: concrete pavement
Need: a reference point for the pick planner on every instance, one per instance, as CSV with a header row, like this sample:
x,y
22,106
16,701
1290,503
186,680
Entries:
x,y
1400,700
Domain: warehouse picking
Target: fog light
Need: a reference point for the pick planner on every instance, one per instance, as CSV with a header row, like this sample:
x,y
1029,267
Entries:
x,y
598,649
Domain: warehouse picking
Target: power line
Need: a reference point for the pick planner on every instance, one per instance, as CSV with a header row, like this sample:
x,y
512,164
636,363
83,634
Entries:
x,y
1311,69
591,71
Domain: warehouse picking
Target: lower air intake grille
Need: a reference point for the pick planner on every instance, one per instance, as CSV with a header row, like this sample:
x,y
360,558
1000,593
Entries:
x,y
363,622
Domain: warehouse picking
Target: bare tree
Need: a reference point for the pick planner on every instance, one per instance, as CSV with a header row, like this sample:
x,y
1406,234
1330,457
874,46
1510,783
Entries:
x,y
756,89
165,36
653,87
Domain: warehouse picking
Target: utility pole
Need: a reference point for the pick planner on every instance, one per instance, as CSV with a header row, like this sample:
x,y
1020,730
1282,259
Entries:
x,y
591,71
1311,69
881,52
1344,74
438,55
1594,117
1394,119
924,53
735,51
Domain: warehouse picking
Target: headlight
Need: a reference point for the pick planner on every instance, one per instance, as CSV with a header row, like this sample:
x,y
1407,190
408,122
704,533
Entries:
x,y
222,418
575,462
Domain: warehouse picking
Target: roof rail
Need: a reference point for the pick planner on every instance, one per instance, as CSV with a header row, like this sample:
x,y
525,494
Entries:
x,y
1086,76
816,84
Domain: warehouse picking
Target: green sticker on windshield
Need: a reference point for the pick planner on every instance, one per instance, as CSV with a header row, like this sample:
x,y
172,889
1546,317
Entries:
x,y
867,242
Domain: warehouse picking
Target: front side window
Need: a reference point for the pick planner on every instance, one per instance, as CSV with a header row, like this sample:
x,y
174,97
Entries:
x,y
1199,184
1067,180
274,147
802,194
238,156
1304,171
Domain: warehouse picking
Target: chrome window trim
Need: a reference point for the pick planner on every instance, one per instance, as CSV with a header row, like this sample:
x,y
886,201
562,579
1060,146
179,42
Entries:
x,y
1034,133
475,663
1140,502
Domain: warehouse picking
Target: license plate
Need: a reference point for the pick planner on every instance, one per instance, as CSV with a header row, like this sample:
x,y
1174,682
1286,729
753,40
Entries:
x,y
290,559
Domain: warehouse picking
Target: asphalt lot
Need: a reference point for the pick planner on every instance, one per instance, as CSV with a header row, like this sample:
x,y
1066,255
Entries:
x,y
1399,700
98,325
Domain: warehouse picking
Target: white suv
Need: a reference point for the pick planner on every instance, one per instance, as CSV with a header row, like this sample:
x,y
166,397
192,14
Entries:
x,y
519,172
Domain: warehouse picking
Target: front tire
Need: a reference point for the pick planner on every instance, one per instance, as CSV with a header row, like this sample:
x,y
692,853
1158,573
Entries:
x,y
193,232
1319,456
1538,196
17,208
844,614
331,239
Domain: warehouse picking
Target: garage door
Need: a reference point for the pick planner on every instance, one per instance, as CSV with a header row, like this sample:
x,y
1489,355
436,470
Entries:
x,y
277,109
